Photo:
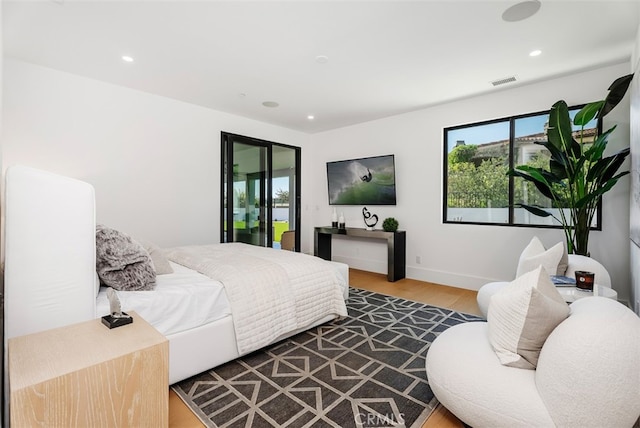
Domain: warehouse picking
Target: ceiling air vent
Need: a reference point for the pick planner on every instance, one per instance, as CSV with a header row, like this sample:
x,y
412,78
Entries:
x,y
503,81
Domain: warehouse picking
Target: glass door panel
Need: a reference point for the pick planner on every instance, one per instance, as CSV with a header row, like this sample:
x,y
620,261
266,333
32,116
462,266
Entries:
x,y
249,193
285,193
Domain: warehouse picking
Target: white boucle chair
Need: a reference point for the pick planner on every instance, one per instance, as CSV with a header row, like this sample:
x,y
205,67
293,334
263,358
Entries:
x,y
576,262
588,374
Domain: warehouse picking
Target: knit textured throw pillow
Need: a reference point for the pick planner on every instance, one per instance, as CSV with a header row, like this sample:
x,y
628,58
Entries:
x,y
122,263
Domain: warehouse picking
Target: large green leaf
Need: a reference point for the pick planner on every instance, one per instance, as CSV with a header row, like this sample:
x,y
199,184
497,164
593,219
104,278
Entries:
x,y
576,149
600,191
559,131
550,177
587,113
557,169
534,172
595,172
559,164
616,92
579,165
535,210
615,164
605,168
538,174
557,154
597,149
535,176
545,189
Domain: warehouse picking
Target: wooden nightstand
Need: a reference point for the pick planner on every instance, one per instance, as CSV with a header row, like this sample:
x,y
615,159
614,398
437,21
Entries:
x,y
87,375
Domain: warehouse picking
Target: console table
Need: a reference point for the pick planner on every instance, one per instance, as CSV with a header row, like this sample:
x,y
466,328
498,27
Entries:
x,y
396,244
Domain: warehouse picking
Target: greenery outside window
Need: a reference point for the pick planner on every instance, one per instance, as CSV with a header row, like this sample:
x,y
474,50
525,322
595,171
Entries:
x,y
477,156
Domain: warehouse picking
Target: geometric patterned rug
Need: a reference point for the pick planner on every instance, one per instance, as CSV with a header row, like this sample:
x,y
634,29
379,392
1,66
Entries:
x,y
366,370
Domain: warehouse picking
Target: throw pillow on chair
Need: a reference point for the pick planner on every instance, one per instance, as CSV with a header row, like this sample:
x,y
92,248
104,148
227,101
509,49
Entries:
x,y
554,260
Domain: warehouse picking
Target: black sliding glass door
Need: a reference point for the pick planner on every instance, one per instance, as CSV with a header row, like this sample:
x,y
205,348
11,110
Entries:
x,y
260,191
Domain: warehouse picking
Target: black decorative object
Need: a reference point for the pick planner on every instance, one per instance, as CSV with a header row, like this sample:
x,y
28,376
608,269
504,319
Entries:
x,y
390,224
112,321
370,220
117,317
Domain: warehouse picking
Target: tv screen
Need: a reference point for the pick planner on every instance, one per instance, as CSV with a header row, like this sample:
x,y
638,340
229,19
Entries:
x,y
364,181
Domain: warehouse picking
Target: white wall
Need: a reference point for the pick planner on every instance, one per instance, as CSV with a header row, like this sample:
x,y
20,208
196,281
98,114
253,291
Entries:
x,y
455,254
154,161
155,165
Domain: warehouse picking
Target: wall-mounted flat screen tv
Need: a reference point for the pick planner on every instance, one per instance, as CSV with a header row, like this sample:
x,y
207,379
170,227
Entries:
x,y
364,181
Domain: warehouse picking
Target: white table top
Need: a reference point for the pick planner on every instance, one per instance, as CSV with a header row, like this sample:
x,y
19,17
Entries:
x,y
571,294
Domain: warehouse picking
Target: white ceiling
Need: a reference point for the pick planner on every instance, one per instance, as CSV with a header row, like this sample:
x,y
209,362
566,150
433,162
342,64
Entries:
x,y
384,57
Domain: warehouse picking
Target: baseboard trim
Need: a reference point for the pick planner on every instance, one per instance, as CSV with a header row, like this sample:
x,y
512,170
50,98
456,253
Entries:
x,y
451,279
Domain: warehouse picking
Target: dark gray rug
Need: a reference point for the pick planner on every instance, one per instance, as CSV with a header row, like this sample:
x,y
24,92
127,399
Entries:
x,y
366,370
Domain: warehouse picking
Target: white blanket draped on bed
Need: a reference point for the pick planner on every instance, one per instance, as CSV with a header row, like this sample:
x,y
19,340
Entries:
x,y
271,292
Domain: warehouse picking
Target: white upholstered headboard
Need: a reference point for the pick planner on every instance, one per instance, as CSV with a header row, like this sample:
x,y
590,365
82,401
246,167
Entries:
x,y
50,269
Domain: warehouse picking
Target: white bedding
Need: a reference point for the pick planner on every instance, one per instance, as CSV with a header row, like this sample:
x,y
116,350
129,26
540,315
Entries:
x,y
286,292
50,240
180,301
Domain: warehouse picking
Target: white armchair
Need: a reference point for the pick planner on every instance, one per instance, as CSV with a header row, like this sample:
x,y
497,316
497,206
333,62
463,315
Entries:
x,y
576,262
587,373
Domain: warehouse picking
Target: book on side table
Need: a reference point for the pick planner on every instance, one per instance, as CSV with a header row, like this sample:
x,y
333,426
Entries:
x,y
563,281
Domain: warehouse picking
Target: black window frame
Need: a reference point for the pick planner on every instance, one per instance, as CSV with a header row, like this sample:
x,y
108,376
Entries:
x,y
511,216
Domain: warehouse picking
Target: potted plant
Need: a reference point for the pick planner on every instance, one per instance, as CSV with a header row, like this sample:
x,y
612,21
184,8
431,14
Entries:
x,y
390,224
578,173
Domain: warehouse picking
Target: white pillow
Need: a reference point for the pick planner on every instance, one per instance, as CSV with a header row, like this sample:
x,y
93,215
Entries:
x,y
535,255
563,265
160,261
522,315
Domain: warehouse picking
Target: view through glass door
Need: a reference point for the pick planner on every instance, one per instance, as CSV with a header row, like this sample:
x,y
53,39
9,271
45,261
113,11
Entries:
x,y
260,183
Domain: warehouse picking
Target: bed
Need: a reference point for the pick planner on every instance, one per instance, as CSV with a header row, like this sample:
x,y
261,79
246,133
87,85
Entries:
x,y
51,280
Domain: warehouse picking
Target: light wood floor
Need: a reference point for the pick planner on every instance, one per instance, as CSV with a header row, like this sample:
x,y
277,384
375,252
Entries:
x,y
457,299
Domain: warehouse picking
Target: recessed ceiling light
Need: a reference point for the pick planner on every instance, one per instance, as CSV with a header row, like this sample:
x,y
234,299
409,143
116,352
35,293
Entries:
x,y
535,52
311,117
270,104
521,11
127,58
322,59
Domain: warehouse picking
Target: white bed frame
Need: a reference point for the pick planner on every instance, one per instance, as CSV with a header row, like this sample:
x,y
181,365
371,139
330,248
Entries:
x,y
50,276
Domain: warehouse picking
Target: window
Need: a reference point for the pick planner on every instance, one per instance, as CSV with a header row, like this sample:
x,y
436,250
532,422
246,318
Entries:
x,y
477,157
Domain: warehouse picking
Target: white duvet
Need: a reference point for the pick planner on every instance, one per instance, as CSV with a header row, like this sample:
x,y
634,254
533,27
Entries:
x,y
180,301
271,292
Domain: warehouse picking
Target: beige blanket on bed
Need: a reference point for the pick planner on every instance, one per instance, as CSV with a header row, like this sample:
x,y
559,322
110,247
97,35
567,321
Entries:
x,y
271,292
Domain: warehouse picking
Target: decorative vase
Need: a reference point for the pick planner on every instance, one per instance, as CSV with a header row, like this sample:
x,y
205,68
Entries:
x,y
334,218
341,224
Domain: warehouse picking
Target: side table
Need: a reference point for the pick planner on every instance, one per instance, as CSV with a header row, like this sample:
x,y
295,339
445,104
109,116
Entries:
x,y
571,294
86,375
